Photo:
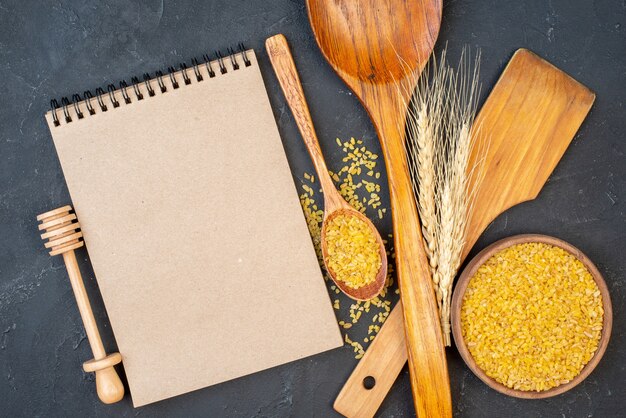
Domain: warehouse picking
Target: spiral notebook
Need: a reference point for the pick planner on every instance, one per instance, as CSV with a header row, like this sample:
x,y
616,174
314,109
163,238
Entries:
x,y
193,226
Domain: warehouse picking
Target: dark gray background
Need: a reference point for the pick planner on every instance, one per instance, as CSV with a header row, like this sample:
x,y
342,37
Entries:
x,y
53,49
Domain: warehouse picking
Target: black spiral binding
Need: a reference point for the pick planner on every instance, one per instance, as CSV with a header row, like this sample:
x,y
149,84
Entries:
x,y
113,97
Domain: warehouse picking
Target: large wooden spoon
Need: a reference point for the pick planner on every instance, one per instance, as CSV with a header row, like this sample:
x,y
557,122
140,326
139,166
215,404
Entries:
x,y
378,47
334,204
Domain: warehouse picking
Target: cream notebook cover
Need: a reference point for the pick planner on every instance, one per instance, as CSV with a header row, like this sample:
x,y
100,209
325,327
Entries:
x,y
194,228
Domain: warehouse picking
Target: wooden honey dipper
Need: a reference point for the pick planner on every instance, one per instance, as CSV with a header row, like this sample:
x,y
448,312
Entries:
x,y
64,236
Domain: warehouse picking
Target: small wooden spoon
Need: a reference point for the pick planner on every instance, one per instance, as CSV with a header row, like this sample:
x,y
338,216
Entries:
x,y
379,48
334,204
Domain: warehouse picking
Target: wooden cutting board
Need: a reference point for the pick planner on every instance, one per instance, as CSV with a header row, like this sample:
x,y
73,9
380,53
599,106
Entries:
x,y
526,124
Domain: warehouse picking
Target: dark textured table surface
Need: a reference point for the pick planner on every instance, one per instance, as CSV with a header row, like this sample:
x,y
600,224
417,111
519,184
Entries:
x,y
52,49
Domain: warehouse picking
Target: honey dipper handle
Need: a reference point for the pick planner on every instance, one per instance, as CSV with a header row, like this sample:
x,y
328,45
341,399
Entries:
x,y
93,335
108,384
285,69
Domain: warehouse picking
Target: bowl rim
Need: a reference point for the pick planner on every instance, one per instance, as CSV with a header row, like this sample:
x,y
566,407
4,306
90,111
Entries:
x,y
469,272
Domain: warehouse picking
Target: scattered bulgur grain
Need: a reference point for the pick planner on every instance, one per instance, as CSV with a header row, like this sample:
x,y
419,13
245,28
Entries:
x,y
532,316
355,191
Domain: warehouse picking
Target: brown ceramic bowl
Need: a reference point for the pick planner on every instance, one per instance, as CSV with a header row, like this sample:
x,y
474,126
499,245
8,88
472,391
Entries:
x,y
469,272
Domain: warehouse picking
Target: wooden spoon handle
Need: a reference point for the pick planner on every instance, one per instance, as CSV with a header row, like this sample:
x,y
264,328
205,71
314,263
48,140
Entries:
x,y
285,69
425,349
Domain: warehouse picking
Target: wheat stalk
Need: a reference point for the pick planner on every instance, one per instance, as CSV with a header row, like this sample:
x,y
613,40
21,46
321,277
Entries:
x,y
451,231
439,143
422,120
425,121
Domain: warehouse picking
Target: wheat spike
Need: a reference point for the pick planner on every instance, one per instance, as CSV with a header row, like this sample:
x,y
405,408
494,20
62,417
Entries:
x,y
439,143
424,120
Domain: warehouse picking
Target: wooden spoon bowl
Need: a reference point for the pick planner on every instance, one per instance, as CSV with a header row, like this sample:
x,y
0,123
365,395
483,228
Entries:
x,y
457,301
373,288
375,41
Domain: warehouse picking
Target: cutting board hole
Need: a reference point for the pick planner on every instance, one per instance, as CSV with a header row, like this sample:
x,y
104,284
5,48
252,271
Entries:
x,y
369,382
